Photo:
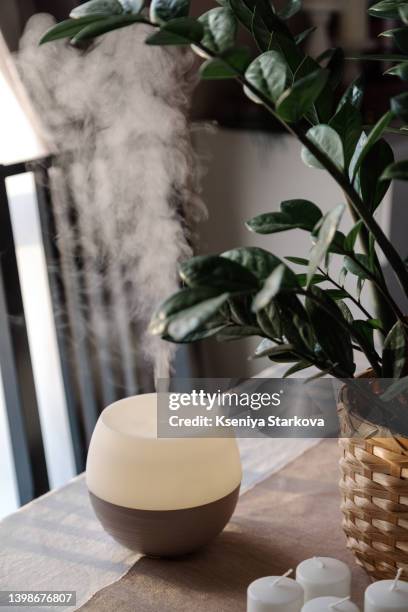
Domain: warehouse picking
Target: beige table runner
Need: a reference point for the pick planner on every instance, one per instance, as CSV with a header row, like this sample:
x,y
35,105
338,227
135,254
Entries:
x,y
291,516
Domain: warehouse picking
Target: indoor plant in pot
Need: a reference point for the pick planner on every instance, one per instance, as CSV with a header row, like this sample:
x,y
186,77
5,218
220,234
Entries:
x,y
303,315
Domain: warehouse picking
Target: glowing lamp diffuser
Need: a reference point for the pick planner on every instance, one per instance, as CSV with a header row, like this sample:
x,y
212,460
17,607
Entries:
x,y
159,496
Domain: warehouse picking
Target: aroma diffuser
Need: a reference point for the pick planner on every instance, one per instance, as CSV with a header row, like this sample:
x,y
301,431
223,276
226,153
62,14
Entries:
x,y
159,496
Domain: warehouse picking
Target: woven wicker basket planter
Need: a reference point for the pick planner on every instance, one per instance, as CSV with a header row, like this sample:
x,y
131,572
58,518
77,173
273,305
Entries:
x,y
374,488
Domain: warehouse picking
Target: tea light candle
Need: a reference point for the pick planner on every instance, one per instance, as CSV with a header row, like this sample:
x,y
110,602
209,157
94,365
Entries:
x,y
275,594
387,595
330,604
323,576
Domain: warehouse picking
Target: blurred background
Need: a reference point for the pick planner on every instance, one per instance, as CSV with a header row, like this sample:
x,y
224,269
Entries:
x,y
73,305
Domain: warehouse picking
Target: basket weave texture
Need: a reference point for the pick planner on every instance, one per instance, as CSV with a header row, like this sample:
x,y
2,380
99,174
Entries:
x,y
374,489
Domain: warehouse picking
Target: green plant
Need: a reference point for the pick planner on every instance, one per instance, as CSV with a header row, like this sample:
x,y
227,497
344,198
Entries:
x,y
249,291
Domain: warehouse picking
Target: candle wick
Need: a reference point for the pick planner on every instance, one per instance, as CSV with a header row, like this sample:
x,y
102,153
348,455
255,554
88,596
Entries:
x,y
318,562
285,575
395,581
334,605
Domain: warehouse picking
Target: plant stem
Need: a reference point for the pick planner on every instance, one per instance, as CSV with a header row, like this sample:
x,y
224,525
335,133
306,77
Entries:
x,y
349,295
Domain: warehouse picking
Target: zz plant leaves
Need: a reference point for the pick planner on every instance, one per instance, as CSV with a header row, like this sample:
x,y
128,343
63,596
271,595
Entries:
x,y
229,65
215,271
220,29
192,319
372,188
386,9
269,74
249,291
290,9
328,141
395,352
102,26
104,8
182,300
166,10
398,171
326,234
347,122
258,261
180,31
294,214
69,28
336,344
280,279
296,101
399,106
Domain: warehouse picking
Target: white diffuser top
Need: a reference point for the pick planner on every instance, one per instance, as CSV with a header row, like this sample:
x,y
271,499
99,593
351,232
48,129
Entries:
x,y
129,466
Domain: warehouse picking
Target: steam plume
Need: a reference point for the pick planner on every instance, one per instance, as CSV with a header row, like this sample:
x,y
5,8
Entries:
x,y
118,114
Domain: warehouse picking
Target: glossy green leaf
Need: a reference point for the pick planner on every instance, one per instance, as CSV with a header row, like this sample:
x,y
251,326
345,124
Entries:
x,y
373,189
325,317
99,7
190,320
236,332
375,134
296,101
258,261
399,105
328,141
353,95
281,279
220,28
347,122
217,272
298,367
103,26
300,261
181,31
269,74
181,300
242,12
239,310
232,63
395,351
337,294
294,321
400,70
294,214
267,348
346,312
317,278
269,321
290,9
352,236
68,28
359,266
263,10
325,237
386,9
403,12
162,11
397,171
400,38
364,335
300,38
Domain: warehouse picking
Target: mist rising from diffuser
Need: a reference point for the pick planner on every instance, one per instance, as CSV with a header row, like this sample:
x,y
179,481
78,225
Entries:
x,y
118,108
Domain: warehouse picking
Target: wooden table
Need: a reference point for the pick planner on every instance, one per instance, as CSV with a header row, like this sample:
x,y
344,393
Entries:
x,y
56,542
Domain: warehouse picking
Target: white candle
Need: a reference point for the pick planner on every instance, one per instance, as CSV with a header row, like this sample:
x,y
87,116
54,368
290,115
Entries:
x,y
275,594
387,596
330,604
323,576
